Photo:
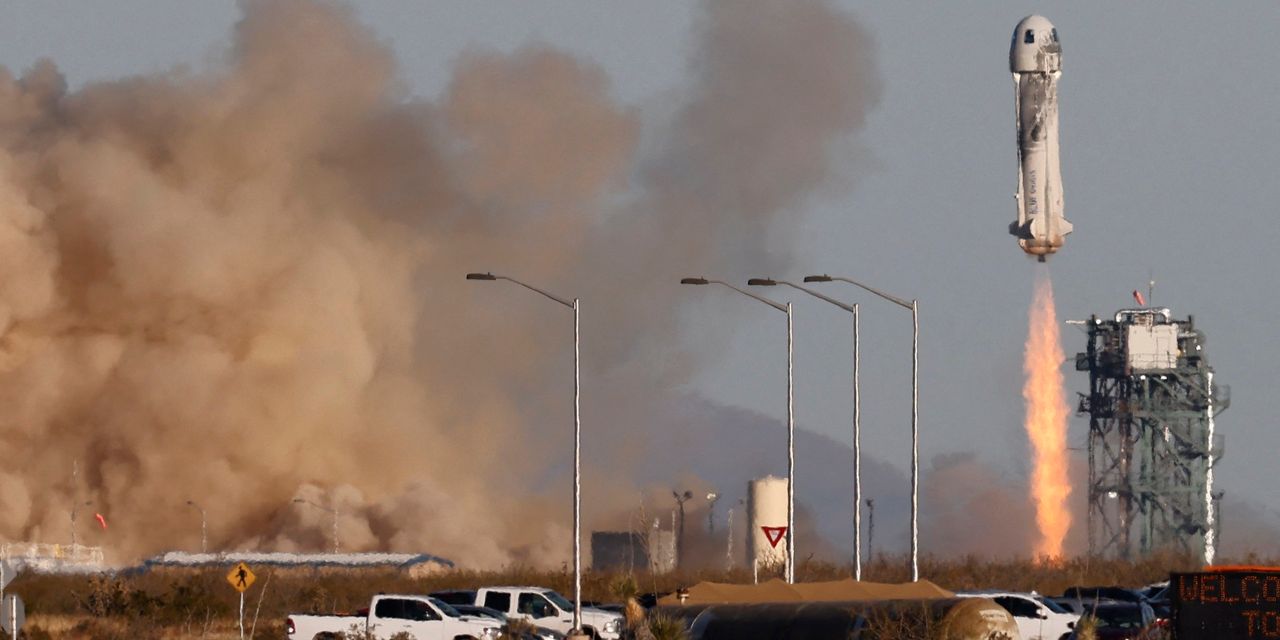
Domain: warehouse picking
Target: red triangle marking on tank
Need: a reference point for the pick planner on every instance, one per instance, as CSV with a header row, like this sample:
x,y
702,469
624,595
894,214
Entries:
x,y
774,535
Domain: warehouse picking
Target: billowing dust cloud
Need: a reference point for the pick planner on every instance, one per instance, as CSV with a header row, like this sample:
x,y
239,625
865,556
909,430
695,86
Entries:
x,y
1046,421
242,285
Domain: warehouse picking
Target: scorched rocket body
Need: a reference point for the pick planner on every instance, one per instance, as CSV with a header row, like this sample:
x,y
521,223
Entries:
x,y
1035,59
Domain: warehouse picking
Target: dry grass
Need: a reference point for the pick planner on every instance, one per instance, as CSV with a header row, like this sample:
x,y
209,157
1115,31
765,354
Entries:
x,y
199,603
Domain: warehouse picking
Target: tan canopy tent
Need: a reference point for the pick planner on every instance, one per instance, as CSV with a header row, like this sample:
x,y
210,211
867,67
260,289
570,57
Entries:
x,y
776,590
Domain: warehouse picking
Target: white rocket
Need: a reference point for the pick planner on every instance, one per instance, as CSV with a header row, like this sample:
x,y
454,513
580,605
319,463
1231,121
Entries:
x,y
1035,58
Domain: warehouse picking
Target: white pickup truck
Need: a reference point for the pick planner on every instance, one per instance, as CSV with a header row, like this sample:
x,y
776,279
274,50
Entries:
x,y
415,617
546,608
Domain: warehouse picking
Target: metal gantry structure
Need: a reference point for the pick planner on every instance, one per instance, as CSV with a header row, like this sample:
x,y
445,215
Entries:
x,y
1152,443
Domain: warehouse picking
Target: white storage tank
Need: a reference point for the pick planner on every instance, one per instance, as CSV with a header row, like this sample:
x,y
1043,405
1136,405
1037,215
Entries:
x,y
766,513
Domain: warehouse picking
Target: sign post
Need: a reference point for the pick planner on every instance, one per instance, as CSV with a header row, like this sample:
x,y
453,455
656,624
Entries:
x,y
14,615
241,578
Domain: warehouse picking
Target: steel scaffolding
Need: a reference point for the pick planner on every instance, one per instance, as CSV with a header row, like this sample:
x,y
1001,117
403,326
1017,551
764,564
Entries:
x,y
1152,445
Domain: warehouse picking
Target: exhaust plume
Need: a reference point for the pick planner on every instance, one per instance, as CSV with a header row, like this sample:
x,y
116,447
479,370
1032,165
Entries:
x,y
1046,421
243,285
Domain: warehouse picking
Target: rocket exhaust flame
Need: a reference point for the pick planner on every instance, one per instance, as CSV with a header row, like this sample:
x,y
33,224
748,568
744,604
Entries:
x,y
1046,421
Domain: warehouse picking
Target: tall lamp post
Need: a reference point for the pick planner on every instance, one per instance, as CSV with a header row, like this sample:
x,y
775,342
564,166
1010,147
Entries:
x,y
333,511
914,307
204,526
75,506
577,442
711,511
791,422
857,414
681,498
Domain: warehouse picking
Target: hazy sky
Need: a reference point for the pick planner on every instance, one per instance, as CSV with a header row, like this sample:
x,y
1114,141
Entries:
x,y
1170,145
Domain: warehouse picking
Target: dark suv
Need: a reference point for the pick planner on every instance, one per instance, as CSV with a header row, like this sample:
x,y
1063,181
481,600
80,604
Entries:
x,y
455,596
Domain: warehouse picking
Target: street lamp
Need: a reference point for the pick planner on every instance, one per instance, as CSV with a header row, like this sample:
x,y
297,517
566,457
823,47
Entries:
x,y
681,498
711,511
857,414
791,422
75,506
914,307
577,442
204,528
728,547
333,511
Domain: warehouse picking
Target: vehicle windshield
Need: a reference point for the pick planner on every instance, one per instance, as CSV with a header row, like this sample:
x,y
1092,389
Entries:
x,y
446,608
1052,606
559,601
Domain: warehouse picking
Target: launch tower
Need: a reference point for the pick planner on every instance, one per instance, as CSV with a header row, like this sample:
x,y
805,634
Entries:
x,y
1152,445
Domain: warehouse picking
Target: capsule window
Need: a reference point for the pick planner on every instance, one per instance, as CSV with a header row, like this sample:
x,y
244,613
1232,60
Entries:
x,y
1053,35
1029,37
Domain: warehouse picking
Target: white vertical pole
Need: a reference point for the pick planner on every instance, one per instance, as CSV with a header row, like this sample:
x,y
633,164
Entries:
x,y
241,615
13,617
791,452
857,453
915,442
577,473
728,547
1211,518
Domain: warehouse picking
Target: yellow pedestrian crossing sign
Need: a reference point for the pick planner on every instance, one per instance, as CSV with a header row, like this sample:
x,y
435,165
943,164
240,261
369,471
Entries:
x,y
240,577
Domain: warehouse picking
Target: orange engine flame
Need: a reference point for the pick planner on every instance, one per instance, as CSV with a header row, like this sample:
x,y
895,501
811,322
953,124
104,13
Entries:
x,y
1047,422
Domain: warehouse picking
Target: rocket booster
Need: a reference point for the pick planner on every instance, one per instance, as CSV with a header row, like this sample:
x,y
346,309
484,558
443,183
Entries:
x,y
1035,59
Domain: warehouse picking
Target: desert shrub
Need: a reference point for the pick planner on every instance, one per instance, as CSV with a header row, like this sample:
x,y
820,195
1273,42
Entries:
x,y
118,629
517,629
666,627
623,587
109,597
34,632
190,600
901,624
1087,628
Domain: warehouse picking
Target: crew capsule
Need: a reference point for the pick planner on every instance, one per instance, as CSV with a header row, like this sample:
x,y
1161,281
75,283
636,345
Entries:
x,y
1035,60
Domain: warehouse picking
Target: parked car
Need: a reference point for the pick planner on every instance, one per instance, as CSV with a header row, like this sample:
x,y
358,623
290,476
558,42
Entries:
x,y
1117,620
455,597
1098,594
422,617
1157,595
485,612
615,607
538,633
1037,618
1071,605
547,608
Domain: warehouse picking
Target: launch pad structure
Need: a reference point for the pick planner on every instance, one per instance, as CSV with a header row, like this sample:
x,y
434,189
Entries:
x,y
1152,446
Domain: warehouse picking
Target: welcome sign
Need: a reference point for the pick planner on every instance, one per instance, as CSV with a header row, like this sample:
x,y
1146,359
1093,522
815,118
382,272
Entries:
x,y
1226,603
